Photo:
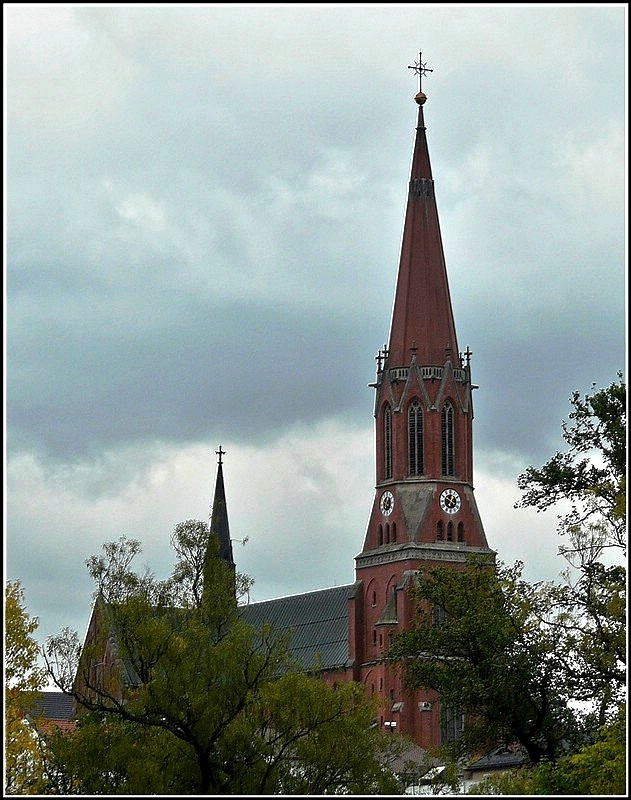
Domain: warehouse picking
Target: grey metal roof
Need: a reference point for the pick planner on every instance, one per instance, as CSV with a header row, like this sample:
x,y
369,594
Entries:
x,y
317,621
53,705
500,758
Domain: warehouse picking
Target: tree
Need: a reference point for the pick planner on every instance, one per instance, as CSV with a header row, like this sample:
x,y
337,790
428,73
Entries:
x,y
596,769
478,642
591,474
195,700
23,680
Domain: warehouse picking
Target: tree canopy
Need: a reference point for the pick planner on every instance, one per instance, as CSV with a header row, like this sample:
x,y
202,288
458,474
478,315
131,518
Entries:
x,y
196,701
23,679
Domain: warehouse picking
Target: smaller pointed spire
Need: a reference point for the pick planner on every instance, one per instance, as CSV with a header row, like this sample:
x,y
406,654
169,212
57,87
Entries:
x,y
219,516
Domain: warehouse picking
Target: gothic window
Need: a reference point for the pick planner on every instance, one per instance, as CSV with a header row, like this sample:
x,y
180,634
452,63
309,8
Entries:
x,y
439,531
381,534
450,531
394,531
387,442
448,439
451,724
460,532
387,533
439,614
415,439
374,599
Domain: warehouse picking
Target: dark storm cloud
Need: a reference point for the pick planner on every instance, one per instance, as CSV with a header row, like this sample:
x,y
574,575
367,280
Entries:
x,y
91,387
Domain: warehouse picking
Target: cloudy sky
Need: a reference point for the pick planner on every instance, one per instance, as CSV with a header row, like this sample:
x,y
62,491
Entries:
x,y
204,211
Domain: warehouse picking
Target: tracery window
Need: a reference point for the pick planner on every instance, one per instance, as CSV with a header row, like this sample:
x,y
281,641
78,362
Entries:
x,y
448,439
415,439
387,442
451,723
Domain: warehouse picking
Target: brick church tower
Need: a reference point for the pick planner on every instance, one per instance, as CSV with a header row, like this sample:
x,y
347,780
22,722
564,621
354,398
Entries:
x,y
424,511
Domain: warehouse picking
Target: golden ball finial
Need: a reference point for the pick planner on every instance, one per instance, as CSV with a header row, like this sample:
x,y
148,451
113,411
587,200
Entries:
x,y
420,98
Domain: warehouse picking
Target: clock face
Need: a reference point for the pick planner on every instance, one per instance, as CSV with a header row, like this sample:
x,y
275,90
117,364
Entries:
x,y
386,503
450,501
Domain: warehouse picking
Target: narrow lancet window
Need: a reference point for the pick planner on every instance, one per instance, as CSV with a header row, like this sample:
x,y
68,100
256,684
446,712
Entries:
x,y
387,442
415,439
448,437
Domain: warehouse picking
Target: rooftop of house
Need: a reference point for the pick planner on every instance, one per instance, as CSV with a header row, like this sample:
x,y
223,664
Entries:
x,y
52,709
502,757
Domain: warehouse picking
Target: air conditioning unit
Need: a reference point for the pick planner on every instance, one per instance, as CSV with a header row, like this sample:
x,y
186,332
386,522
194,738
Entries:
x,y
424,706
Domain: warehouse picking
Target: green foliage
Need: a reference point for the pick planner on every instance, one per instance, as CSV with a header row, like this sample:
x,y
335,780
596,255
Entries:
x,y
23,680
595,769
478,642
591,474
186,698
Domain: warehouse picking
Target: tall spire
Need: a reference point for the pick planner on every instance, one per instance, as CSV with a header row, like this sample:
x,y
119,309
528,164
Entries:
x,y
219,517
422,317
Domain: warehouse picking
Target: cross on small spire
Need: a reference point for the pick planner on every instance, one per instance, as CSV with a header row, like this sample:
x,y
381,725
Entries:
x,y
380,358
220,453
421,69
468,353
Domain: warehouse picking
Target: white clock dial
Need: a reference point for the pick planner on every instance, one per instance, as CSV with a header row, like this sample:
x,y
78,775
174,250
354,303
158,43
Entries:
x,y
450,501
386,503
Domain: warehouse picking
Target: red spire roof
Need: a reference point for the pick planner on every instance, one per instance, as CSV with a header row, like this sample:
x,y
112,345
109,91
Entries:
x,y
422,317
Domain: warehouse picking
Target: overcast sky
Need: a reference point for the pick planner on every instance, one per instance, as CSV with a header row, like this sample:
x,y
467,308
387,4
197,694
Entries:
x,y
204,213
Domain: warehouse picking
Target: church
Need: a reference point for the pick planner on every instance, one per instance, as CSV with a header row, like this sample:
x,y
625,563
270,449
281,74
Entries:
x,y
423,512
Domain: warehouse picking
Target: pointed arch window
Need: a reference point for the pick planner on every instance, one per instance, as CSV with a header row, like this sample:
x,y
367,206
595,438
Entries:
x,y
387,442
448,439
450,531
415,439
439,531
460,532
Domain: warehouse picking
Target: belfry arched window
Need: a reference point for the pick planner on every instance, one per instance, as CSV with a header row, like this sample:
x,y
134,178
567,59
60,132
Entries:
x,y
460,532
448,439
387,442
439,531
415,439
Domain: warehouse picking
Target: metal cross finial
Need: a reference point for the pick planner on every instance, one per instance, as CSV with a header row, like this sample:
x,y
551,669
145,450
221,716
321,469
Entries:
x,y
420,69
220,453
380,358
468,353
